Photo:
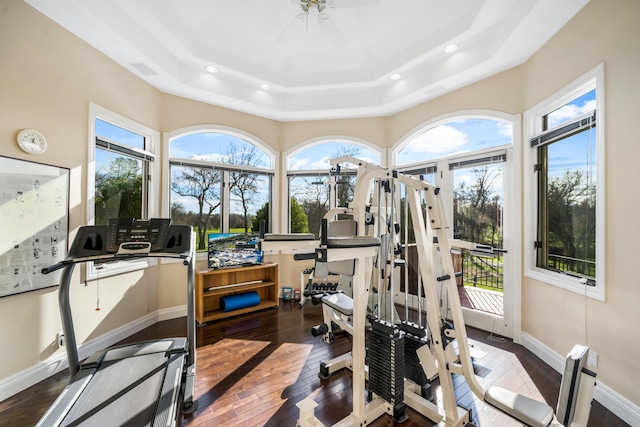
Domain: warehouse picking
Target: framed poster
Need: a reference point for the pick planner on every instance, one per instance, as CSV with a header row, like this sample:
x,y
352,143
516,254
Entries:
x,y
34,224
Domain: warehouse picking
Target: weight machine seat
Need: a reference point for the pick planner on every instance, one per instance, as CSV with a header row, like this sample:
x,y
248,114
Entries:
x,y
340,303
283,237
524,409
352,242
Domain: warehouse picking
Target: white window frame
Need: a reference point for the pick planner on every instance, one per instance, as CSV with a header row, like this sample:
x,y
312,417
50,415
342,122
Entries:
x,y
209,128
593,79
152,139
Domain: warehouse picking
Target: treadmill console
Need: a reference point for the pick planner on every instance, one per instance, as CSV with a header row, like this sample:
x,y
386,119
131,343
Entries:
x,y
125,237
130,235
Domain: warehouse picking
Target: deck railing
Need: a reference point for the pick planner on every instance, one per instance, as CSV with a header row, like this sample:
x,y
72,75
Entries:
x,y
570,265
481,270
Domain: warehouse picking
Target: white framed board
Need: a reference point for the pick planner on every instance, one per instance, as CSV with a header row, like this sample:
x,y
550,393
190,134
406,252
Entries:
x,y
34,224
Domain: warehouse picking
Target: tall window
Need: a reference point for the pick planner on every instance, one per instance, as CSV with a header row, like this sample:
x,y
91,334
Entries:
x,y
122,175
311,192
566,150
220,183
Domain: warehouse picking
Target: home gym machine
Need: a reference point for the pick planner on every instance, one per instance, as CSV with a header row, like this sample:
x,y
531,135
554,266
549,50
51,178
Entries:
x,y
438,356
138,384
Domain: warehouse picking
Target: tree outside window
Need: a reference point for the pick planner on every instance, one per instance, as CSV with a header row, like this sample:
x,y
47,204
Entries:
x,y
220,183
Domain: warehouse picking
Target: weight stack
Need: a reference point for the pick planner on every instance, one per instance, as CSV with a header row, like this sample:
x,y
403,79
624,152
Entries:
x,y
412,368
386,365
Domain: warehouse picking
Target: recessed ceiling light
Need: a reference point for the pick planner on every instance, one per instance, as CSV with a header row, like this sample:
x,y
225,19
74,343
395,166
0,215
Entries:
x,y
265,86
451,48
395,76
212,69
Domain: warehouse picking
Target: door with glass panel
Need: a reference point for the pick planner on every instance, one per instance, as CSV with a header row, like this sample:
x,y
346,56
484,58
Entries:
x,y
476,216
469,159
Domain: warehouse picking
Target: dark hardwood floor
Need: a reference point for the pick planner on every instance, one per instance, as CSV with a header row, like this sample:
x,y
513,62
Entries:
x,y
253,369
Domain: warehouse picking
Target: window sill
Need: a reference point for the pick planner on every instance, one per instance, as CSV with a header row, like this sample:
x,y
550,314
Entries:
x,y
571,284
120,267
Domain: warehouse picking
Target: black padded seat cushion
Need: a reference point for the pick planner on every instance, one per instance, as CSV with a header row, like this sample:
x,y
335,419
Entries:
x,y
352,242
524,409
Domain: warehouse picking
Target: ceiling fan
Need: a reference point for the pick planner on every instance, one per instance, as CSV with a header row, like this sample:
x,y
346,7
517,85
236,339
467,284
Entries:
x,y
318,8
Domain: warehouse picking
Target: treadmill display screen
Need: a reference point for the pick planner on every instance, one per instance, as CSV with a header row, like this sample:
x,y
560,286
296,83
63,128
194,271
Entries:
x,y
128,230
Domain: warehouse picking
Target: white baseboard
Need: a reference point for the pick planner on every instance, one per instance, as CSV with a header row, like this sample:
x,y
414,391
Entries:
x,y
607,397
43,370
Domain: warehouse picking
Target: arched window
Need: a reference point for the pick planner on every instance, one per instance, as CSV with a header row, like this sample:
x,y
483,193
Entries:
x,y
220,183
453,137
308,177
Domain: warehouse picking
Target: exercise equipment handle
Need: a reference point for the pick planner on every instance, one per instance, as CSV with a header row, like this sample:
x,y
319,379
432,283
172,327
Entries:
x,y
53,268
304,256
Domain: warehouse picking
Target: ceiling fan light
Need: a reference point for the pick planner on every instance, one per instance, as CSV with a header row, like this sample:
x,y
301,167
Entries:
x,y
451,48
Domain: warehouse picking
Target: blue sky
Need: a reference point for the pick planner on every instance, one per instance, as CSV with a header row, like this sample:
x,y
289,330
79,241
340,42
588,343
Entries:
x,y
578,151
317,157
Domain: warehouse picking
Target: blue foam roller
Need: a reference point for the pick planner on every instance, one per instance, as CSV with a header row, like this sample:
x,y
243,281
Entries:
x,y
237,301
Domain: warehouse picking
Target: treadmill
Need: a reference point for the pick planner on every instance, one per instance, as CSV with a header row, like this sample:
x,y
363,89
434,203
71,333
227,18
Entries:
x,y
142,384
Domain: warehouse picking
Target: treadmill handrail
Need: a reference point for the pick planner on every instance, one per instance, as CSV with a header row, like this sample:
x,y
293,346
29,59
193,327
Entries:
x,y
122,257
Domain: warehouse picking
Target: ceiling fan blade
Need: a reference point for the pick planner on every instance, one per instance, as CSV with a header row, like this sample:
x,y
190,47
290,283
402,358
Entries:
x,y
333,32
289,32
341,4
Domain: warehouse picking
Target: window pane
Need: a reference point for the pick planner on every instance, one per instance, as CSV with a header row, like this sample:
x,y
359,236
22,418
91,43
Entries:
x,y
118,187
115,133
478,204
428,174
567,205
195,200
456,137
309,201
345,186
218,148
317,157
249,202
571,110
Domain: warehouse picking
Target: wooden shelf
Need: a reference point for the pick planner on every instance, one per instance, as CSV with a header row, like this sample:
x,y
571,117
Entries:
x,y
212,285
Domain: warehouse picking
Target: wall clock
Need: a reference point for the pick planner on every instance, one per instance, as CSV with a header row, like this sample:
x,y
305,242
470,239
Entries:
x,y
32,141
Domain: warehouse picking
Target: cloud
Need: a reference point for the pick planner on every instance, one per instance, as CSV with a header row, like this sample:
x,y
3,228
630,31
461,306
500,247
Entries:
x,y
211,157
443,139
299,163
569,111
504,129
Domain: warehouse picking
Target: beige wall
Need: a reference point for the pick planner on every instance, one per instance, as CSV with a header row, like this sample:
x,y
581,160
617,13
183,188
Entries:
x,y
605,31
48,77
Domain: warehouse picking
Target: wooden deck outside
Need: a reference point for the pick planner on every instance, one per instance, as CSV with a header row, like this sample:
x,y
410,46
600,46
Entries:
x,y
481,299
